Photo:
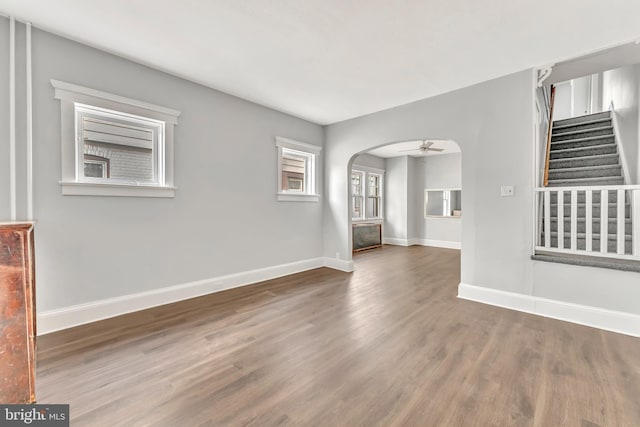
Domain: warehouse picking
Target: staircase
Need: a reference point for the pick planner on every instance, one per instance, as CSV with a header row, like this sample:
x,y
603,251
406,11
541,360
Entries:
x,y
584,153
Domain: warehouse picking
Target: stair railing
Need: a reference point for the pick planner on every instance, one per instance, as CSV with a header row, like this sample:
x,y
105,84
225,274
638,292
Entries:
x,y
619,143
575,218
545,181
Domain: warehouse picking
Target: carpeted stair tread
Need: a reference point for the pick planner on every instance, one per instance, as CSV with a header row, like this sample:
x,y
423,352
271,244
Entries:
x,y
595,220
584,125
595,235
586,172
582,197
583,204
583,119
575,182
575,152
581,225
581,243
581,133
588,261
587,141
597,160
596,210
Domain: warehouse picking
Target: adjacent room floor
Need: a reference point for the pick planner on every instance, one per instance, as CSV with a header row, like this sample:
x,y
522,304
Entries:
x,y
388,345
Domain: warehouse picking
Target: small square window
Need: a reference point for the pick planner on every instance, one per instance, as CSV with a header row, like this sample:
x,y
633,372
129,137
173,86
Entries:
x,y
297,170
96,167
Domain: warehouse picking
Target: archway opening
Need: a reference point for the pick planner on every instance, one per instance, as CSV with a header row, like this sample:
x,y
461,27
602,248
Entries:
x,y
406,193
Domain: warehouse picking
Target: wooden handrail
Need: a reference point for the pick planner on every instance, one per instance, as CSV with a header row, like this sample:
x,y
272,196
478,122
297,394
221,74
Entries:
x,y
548,156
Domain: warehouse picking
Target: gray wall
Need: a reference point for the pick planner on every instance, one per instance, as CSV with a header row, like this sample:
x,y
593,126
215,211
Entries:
x,y
562,101
4,120
437,172
494,124
406,179
395,198
414,204
224,219
369,160
622,86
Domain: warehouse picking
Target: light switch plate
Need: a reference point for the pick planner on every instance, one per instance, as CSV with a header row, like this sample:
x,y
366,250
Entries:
x,y
506,191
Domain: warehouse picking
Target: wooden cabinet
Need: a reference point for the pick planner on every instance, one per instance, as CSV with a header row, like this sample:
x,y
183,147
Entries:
x,y
17,314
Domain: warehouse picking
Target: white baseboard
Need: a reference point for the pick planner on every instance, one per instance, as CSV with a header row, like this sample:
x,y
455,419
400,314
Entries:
x,y
615,321
422,242
435,243
339,264
55,320
394,241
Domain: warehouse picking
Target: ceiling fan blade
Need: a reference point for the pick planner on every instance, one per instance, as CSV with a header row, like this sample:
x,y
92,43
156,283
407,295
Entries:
x,y
413,149
435,149
427,144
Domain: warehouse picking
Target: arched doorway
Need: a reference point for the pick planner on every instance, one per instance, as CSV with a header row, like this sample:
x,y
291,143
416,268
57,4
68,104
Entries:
x,y
410,192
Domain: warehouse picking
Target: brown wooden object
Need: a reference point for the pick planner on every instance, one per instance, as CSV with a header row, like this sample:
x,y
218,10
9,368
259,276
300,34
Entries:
x,y
17,314
549,133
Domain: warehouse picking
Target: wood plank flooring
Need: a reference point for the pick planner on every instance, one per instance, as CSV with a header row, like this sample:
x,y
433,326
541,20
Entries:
x,y
389,345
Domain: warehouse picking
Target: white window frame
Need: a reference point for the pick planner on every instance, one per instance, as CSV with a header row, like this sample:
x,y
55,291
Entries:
x,y
367,171
363,195
73,181
102,163
380,189
446,205
312,155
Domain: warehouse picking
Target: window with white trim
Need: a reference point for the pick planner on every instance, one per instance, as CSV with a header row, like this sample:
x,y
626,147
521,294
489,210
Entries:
x,y
374,195
297,169
366,194
130,145
357,195
114,146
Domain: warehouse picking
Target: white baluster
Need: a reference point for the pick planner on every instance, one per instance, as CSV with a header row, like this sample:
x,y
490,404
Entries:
x,y
547,219
574,220
635,221
588,203
560,219
621,225
604,221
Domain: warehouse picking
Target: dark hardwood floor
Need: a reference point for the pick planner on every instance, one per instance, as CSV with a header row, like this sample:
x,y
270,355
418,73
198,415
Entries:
x,y
389,345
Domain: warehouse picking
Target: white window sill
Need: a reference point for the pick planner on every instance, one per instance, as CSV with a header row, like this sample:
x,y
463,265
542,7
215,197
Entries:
x,y
368,221
291,197
73,188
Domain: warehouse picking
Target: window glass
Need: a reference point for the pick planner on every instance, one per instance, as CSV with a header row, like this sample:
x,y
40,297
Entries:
x,y
123,145
294,167
357,181
374,196
297,170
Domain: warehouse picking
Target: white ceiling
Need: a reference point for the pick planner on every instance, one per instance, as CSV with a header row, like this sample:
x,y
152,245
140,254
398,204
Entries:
x,y
399,149
330,60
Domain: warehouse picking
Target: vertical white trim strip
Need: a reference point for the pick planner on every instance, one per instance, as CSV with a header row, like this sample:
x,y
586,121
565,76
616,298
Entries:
x,y
588,206
560,221
12,118
604,221
29,84
620,221
635,221
547,219
574,220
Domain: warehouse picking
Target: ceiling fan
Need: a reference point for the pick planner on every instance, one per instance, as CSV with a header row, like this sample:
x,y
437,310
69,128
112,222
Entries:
x,y
425,147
